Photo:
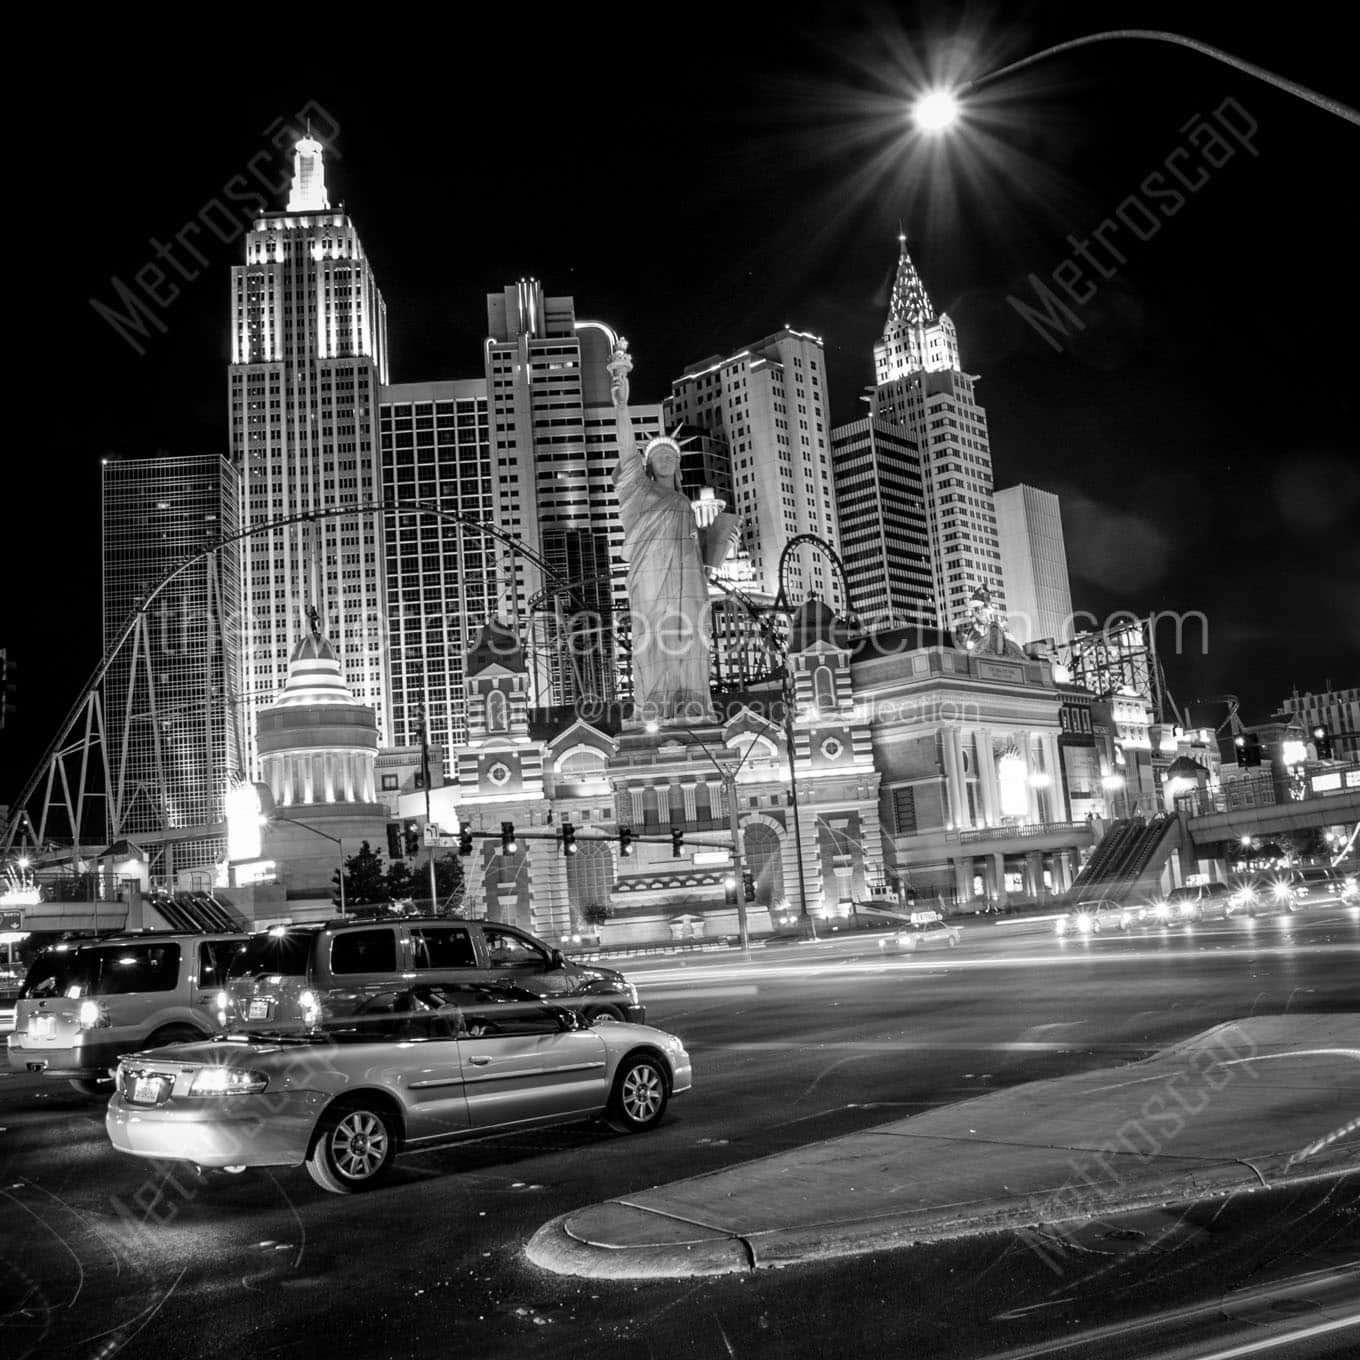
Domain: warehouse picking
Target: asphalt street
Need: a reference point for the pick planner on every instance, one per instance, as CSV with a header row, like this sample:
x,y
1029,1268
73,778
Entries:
x,y
103,1255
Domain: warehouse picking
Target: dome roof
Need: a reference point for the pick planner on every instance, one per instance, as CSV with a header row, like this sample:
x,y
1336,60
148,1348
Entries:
x,y
314,675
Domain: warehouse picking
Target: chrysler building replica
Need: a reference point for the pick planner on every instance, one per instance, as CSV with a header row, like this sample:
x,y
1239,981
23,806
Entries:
x,y
308,355
921,388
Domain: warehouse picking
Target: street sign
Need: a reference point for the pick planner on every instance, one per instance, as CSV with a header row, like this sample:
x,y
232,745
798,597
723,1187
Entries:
x,y
442,842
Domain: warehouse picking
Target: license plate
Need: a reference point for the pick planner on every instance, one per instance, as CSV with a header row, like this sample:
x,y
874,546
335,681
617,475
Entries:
x,y
42,1026
147,1090
259,1010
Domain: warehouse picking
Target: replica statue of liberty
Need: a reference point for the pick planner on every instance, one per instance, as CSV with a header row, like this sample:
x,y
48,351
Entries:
x,y
667,585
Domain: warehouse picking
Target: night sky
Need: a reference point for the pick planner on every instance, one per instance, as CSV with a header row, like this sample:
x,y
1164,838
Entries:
x,y
701,176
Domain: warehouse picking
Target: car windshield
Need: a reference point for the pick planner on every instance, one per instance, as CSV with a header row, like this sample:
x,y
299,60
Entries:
x,y
284,952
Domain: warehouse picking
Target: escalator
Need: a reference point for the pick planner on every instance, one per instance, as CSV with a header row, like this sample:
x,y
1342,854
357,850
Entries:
x,y
1129,859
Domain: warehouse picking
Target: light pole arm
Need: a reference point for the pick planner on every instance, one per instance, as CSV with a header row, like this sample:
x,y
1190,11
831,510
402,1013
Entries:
x,y
1322,101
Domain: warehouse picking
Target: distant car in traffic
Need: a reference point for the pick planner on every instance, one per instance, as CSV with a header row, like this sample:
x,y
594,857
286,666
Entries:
x,y
1315,886
924,930
1091,917
861,917
1193,902
412,1068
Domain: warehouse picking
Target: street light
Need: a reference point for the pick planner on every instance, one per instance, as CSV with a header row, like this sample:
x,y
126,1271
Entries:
x,y
938,109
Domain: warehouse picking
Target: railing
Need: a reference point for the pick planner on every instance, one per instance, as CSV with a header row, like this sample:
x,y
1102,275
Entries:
x,y
1001,833
1202,804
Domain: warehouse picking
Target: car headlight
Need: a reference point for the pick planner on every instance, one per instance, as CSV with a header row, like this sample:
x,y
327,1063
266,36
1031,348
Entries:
x,y
1083,922
1283,892
1161,910
227,1081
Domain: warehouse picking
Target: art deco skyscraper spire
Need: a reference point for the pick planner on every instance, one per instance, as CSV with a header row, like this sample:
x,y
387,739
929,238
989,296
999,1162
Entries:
x,y
308,192
922,407
309,352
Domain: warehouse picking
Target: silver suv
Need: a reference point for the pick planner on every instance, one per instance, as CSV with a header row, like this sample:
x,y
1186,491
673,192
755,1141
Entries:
x,y
85,1004
294,977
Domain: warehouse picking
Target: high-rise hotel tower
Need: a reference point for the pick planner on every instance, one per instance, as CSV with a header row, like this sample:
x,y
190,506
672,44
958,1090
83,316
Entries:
x,y
554,446
768,401
309,354
922,389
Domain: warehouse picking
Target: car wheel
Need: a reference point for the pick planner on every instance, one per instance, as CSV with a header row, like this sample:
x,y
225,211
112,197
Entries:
x,y
353,1148
603,1013
97,1088
641,1090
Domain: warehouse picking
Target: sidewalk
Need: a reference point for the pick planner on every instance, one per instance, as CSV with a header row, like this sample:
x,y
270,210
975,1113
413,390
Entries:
x,y
1250,1105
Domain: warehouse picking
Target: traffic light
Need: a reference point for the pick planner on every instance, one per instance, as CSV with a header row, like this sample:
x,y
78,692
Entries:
x,y
465,841
625,842
411,839
568,839
730,889
7,669
508,844
394,840
1248,749
677,842
748,885
1322,743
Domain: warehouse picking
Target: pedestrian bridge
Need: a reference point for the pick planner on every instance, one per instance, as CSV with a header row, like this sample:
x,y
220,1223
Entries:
x,y
1208,829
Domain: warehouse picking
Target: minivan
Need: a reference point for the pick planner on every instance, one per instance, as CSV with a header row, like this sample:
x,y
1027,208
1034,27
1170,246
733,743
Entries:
x,y
292,977
84,1004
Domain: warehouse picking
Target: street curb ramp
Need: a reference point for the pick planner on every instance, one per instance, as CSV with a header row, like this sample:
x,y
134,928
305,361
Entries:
x,y
1023,1158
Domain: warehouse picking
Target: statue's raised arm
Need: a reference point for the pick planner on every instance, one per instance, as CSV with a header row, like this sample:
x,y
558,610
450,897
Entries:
x,y
631,470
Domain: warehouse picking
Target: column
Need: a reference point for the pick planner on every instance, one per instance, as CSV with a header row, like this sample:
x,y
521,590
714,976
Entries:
x,y
991,792
1034,875
998,863
957,780
1023,740
689,792
963,879
1053,765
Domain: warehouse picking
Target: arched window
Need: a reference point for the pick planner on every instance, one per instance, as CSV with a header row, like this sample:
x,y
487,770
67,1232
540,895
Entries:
x,y
497,712
823,689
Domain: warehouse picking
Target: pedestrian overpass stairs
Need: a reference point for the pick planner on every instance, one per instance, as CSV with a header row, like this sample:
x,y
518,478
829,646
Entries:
x,y
1129,859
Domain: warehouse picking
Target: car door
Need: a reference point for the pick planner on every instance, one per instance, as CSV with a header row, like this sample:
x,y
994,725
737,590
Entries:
x,y
210,976
519,1065
444,954
428,1064
515,957
362,963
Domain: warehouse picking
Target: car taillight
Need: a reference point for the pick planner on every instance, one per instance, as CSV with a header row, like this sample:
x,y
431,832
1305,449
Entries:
x,y
92,1015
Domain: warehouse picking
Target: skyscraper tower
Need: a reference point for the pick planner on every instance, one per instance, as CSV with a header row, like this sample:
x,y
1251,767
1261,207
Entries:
x,y
309,353
172,690
554,450
1034,562
768,401
922,388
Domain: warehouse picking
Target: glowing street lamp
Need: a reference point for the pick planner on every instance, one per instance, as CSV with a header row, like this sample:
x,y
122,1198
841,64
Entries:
x,y
937,110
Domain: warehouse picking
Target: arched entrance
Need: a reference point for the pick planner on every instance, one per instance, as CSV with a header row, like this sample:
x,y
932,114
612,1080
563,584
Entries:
x,y
764,860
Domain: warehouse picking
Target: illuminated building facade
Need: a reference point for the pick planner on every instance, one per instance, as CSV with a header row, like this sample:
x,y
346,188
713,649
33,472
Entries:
x,y
554,449
443,580
1034,564
1335,710
768,401
922,388
885,535
183,745
309,354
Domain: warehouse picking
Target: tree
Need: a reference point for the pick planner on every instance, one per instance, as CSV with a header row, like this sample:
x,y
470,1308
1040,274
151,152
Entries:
x,y
364,879
400,881
449,884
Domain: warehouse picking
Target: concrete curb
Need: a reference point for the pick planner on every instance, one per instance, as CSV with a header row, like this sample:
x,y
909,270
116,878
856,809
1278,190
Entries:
x,y
1044,1154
